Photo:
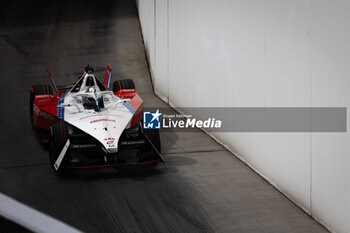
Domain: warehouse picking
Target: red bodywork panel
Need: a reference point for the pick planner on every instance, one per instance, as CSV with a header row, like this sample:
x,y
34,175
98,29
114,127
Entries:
x,y
45,110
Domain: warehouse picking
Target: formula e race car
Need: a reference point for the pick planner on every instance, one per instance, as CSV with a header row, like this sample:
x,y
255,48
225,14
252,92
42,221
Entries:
x,y
87,125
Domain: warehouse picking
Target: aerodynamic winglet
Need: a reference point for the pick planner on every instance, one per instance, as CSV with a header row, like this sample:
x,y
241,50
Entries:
x,y
108,76
61,156
52,81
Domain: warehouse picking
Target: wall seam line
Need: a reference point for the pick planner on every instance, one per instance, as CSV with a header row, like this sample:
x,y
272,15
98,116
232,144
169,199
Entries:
x,y
310,27
168,94
155,37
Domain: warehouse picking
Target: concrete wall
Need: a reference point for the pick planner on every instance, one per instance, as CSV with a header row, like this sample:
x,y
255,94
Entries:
x,y
271,53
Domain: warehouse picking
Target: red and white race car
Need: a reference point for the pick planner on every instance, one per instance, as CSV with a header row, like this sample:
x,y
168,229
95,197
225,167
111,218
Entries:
x,y
90,126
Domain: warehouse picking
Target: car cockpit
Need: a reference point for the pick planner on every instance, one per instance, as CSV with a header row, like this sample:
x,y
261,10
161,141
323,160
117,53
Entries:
x,y
87,91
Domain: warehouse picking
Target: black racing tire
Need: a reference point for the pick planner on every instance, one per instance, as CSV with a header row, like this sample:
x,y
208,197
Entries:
x,y
154,136
37,90
146,154
58,137
123,84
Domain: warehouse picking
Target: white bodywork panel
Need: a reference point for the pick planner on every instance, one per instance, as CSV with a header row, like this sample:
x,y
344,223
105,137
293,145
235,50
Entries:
x,y
107,124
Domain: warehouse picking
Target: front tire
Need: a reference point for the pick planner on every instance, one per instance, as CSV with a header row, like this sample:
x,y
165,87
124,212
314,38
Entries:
x,y
123,84
154,136
37,90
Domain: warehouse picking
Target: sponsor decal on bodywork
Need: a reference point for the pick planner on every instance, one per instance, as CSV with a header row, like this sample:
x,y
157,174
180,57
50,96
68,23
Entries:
x,y
94,114
91,122
60,108
109,139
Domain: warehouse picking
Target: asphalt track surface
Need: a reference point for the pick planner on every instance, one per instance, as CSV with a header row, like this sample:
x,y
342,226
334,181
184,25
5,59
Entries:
x,y
201,188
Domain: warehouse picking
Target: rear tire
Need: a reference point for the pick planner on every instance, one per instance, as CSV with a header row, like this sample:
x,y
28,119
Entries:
x,y
34,91
123,84
58,138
